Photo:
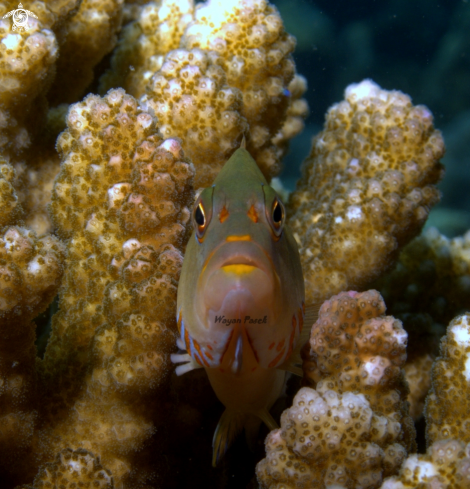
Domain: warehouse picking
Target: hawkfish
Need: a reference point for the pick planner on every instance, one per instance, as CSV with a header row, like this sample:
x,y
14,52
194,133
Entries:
x,y
240,305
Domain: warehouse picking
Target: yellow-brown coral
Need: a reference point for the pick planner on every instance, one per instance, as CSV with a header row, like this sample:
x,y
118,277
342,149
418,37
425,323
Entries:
x,y
255,53
366,188
447,460
121,197
192,101
353,429
143,44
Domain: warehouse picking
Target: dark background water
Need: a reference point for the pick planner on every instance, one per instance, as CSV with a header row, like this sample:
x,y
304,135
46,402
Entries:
x,y
421,47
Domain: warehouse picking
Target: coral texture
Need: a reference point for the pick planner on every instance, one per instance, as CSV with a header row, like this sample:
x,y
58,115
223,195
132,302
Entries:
x,y
143,44
366,188
90,34
71,469
447,460
190,97
255,53
100,408
121,198
429,286
353,429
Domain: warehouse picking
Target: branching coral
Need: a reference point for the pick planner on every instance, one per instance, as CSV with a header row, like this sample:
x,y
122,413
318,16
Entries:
x,y
254,51
90,34
87,413
233,67
366,188
145,42
30,274
428,287
190,97
73,468
447,460
121,198
354,429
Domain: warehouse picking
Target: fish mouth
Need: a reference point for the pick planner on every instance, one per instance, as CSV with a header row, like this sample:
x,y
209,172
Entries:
x,y
238,280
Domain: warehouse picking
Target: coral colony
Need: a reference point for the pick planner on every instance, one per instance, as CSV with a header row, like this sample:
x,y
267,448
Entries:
x,y
95,199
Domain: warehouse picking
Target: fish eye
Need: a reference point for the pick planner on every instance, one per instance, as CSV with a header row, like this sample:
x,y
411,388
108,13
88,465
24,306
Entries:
x,y
199,216
278,214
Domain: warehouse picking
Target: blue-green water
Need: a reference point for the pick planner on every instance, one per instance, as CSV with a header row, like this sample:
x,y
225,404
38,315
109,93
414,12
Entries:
x,y
421,48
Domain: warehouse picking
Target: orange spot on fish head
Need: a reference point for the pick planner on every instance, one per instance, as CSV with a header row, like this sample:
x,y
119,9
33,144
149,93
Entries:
x,y
252,214
223,215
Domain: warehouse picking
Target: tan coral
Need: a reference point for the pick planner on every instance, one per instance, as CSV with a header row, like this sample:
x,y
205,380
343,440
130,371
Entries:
x,y
27,61
34,182
89,35
366,188
122,198
9,203
30,274
446,462
325,439
415,285
143,44
418,377
428,287
255,53
354,429
297,112
190,97
71,469
447,409
30,269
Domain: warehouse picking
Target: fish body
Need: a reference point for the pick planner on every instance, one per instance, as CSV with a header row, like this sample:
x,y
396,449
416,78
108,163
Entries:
x,y
240,305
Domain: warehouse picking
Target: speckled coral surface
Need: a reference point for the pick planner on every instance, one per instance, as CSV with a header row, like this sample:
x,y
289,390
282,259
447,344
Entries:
x,y
353,429
121,198
366,188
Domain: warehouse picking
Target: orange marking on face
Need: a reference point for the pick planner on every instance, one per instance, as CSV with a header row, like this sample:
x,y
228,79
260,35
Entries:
x,y
223,214
271,346
209,356
280,345
180,319
276,360
198,349
245,237
210,347
252,214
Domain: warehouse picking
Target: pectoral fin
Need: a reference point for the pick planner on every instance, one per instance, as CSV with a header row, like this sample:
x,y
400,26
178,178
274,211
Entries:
x,y
294,363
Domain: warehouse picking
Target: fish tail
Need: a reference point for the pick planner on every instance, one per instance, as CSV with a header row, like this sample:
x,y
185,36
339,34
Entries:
x,y
253,423
230,425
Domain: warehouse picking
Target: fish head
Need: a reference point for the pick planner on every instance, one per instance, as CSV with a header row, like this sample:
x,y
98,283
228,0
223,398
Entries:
x,y
241,290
